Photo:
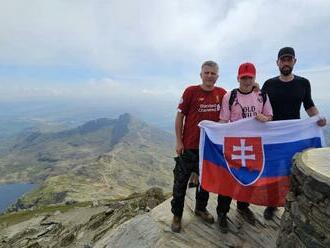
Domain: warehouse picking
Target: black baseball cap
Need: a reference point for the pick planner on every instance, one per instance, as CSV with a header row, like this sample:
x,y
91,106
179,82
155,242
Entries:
x,y
286,51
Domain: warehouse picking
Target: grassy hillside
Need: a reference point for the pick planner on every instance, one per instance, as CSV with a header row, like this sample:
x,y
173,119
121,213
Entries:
x,y
104,158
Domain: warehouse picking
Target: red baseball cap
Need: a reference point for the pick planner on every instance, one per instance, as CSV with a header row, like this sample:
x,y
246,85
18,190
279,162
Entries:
x,y
246,69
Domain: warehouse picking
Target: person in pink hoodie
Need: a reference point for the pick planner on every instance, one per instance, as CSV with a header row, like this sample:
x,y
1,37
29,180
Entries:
x,y
240,103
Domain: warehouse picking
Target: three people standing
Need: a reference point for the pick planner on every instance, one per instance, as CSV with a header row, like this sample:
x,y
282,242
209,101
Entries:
x,y
286,93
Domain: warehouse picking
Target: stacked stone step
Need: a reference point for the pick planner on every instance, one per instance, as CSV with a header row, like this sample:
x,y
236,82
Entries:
x,y
306,219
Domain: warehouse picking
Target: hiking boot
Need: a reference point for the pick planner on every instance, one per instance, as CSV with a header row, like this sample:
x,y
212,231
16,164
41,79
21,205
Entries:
x,y
205,215
247,215
269,213
176,224
223,222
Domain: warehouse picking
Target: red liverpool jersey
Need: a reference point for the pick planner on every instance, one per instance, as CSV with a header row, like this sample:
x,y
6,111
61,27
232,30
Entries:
x,y
198,105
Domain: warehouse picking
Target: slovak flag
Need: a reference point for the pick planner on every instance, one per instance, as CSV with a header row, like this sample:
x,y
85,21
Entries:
x,y
250,161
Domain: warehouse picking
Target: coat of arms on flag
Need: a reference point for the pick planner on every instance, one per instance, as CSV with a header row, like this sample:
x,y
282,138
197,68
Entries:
x,y
250,161
244,157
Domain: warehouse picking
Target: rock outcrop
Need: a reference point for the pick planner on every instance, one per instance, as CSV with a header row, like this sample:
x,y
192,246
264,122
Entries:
x,y
153,229
306,220
73,226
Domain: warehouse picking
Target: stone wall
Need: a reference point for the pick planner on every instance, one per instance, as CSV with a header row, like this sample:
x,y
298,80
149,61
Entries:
x,y
306,219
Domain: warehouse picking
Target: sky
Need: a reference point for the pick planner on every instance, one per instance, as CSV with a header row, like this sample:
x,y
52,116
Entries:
x,y
148,51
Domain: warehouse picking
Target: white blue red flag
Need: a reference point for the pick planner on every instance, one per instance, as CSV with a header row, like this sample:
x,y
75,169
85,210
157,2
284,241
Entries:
x,y
251,161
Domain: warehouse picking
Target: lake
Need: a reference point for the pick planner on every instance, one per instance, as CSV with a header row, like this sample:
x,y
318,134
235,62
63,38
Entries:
x,y
9,193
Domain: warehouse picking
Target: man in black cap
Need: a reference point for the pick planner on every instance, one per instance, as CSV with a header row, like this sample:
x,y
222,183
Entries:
x,y
286,93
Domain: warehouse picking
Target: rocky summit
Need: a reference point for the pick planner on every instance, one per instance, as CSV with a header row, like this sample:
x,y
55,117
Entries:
x,y
153,229
139,221
77,225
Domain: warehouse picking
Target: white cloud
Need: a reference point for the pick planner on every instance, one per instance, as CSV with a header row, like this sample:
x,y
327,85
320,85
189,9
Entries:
x,y
132,39
112,33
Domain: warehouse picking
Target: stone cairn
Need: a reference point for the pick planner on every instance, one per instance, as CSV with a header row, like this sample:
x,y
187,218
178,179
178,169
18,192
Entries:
x,y
306,219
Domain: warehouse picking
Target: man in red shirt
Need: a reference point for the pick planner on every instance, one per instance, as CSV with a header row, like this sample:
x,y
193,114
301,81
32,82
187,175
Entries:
x,y
198,102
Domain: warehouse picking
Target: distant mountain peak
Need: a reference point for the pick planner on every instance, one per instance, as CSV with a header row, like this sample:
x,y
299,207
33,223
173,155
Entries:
x,y
123,125
129,119
95,124
125,117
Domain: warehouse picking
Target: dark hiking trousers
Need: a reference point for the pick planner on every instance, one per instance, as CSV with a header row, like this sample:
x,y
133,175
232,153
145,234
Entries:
x,y
224,204
184,166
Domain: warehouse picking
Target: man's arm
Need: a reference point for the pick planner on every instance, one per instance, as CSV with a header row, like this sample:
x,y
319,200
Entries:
x,y
314,111
224,111
310,107
178,133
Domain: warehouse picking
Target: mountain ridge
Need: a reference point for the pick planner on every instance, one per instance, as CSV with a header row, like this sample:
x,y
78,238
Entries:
x,y
106,157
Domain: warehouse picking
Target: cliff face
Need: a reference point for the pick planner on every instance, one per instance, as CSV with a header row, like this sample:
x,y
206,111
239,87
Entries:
x,y
306,220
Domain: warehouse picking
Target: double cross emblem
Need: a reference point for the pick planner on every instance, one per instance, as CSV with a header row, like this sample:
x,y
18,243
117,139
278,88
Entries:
x,y
244,157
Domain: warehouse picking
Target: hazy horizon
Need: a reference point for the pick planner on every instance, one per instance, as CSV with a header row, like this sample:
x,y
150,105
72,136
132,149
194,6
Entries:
x,y
73,112
79,60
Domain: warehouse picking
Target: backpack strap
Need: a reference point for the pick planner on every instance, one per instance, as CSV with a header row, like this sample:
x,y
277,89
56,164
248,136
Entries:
x,y
264,97
233,95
